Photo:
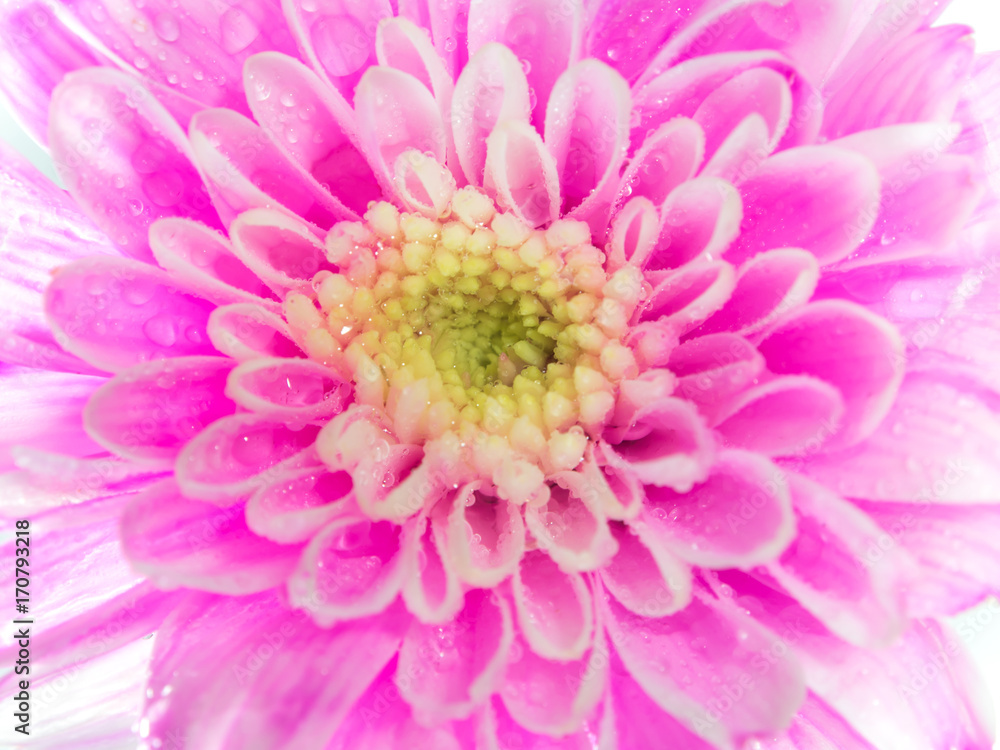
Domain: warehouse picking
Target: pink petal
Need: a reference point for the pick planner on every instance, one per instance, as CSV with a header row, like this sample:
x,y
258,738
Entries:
x,y
848,347
698,221
115,313
820,198
522,174
586,131
570,527
555,610
232,457
544,33
666,444
485,537
351,569
281,250
767,286
817,725
491,89
634,231
424,185
954,546
449,20
937,446
244,169
617,489
36,52
150,411
722,683
760,91
686,297
741,153
916,79
829,570
294,390
431,589
177,542
712,368
785,416
203,260
225,695
297,504
740,516
667,157
313,126
132,169
445,671
396,112
246,331
500,731
645,578
554,698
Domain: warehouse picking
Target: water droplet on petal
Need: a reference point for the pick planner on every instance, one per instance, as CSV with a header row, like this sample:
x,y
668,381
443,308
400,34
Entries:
x,y
238,30
166,27
161,330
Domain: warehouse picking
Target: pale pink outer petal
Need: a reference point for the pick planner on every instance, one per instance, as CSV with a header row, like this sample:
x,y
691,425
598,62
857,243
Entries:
x,y
178,542
692,662
224,696
521,173
131,168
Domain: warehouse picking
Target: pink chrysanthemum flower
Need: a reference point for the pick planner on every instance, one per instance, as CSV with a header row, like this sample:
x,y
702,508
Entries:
x,y
516,374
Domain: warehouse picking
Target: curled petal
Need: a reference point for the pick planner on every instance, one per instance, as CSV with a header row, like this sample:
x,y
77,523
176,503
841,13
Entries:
x,y
297,504
115,313
485,536
760,91
555,610
741,153
634,232
431,589
445,671
670,155
686,297
247,331
296,390
351,569
740,516
313,125
491,89
710,369
645,578
150,411
522,174
424,184
232,457
699,219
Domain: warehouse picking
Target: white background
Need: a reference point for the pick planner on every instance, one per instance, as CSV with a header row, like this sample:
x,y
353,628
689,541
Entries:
x,y
984,16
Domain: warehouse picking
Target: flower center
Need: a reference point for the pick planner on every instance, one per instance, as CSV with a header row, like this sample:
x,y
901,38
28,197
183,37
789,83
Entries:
x,y
475,324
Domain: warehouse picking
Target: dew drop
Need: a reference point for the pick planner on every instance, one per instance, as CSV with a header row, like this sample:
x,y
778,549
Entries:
x,y
161,330
166,27
238,30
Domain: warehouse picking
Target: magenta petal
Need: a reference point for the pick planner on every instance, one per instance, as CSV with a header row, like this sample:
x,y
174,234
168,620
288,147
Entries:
x,y
545,33
246,331
485,537
225,695
634,231
785,416
313,125
232,456
431,589
297,504
645,578
115,313
686,297
627,34
351,569
710,369
337,37
586,130
696,679
176,542
444,671
829,570
555,698
740,516
767,286
396,112
821,198
555,610
244,169
742,152
667,157
850,348
570,527
760,91
698,221
640,724
150,411
142,169
666,444
203,261
522,174
491,89
294,390
280,249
